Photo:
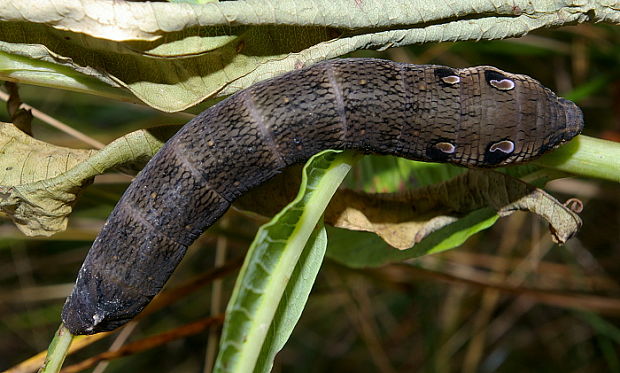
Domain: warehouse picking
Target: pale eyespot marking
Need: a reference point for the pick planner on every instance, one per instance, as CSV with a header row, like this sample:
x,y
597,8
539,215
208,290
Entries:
x,y
451,79
504,146
447,76
502,85
446,147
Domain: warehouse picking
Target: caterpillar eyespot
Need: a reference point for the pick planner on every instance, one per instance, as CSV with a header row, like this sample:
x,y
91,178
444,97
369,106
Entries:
x,y
446,147
505,146
374,106
447,76
451,79
498,79
502,85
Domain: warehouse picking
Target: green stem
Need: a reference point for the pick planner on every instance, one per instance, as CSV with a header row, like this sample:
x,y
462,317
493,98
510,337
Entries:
x,y
586,156
57,350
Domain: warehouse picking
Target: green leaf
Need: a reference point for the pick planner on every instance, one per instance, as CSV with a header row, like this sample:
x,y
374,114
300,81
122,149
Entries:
x,y
269,267
294,299
26,63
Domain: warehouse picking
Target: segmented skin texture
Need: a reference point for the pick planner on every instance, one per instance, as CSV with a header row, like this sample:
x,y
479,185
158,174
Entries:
x,y
475,117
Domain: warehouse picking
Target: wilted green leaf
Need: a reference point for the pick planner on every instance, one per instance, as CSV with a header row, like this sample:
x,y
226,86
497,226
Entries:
x,y
175,55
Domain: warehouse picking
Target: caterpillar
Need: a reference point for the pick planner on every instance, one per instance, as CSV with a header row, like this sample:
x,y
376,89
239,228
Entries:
x,y
474,117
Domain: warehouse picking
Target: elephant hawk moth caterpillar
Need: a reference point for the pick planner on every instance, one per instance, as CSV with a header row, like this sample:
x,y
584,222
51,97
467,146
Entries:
x,y
474,117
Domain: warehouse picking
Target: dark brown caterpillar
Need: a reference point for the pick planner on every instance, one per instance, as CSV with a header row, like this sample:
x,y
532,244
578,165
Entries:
x,y
475,117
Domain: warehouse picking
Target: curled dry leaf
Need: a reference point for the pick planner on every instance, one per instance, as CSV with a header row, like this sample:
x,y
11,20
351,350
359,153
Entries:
x,y
41,182
404,219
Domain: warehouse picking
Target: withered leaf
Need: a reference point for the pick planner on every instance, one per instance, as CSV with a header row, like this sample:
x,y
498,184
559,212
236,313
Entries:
x,y
41,182
404,219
